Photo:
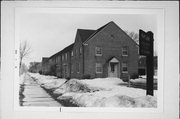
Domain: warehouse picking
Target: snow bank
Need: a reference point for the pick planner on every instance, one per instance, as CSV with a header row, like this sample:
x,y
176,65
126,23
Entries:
x,y
75,85
104,82
141,80
21,79
53,84
93,100
144,77
99,92
42,79
48,82
113,92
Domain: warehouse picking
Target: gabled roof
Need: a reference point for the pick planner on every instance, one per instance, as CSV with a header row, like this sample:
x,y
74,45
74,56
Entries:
x,y
85,34
97,31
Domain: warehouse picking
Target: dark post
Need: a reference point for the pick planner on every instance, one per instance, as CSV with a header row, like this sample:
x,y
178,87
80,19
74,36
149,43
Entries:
x,y
150,67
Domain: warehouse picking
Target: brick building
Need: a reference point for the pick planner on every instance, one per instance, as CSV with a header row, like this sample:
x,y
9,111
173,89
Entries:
x,y
105,52
45,66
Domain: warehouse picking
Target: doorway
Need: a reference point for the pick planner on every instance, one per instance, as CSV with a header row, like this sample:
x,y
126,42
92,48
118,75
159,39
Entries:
x,y
113,68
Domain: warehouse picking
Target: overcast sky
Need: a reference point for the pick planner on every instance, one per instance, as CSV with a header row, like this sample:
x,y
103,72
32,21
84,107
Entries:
x,y
49,33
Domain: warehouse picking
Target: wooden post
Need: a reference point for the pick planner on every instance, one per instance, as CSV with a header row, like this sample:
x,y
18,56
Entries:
x,y
146,48
150,67
128,80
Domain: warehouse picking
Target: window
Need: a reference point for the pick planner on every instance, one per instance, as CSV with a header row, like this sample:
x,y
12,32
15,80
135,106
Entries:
x,y
66,56
56,59
80,50
77,67
98,51
72,54
98,68
59,58
62,57
72,68
124,51
124,67
76,52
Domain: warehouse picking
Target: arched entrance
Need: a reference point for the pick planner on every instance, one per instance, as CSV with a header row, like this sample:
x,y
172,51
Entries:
x,y
113,68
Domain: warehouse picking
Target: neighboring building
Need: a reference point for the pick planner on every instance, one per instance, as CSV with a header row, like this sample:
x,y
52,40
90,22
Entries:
x,y
64,66
142,65
35,67
105,52
45,65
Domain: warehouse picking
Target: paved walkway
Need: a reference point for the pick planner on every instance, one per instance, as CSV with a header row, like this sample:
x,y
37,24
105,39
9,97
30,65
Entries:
x,y
36,96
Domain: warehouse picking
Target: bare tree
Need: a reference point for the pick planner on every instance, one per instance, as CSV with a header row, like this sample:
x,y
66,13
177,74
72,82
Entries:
x,y
134,36
25,50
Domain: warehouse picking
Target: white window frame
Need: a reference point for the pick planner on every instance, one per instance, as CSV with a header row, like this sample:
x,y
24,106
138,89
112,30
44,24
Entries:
x,y
96,51
124,65
72,53
124,50
99,65
80,50
66,56
62,57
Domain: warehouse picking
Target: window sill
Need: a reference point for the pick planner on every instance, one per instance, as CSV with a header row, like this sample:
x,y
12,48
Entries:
x,y
98,72
125,72
98,55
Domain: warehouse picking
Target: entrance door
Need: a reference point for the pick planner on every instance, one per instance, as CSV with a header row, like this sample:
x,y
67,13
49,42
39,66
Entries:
x,y
113,68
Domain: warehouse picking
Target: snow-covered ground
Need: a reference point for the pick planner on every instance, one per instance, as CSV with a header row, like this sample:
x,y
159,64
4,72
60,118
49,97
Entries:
x,y
99,92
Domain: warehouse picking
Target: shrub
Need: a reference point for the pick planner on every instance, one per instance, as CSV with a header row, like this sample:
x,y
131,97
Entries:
x,y
68,78
86,76
40,72
134,76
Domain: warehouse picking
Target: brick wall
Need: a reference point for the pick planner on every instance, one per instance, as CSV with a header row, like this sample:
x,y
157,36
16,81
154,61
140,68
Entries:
x,y
77,58
111,39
